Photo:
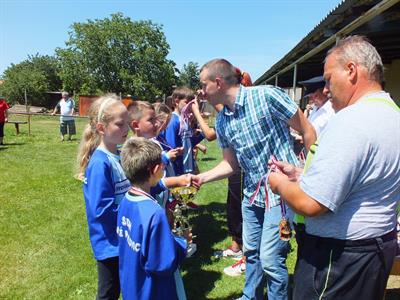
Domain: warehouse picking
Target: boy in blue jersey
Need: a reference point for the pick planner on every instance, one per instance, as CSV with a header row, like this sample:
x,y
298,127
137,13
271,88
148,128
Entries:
x,y
149,253
144,123
181,97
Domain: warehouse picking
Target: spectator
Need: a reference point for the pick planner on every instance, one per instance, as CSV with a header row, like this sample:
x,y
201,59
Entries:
x,y
67,123
321,109
3,117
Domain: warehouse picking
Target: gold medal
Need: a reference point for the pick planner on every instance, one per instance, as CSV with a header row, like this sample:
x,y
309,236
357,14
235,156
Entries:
x,y
285,232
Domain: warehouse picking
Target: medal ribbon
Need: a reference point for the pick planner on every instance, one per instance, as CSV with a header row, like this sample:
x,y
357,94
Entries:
x,y
272,168
140,192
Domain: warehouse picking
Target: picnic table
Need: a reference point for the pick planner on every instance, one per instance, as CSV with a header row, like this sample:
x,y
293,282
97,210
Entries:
x,y
16,124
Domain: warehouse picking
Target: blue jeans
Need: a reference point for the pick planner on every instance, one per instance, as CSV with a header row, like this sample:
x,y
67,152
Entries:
x,y
265,253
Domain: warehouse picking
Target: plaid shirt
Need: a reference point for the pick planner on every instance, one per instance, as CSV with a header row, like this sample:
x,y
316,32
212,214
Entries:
x,y
256,129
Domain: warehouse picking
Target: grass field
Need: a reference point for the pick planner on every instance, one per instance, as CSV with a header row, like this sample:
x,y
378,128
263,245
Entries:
x,y
45,251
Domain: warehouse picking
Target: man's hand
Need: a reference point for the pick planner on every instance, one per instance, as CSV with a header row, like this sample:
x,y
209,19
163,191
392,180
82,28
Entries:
x,y
275,179
196,181
293,173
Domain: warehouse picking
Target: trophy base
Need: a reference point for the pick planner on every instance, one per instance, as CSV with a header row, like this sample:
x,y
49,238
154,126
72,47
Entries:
x,y
191,249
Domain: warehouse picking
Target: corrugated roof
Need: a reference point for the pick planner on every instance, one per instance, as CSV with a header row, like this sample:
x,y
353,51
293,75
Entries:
x,y
382,30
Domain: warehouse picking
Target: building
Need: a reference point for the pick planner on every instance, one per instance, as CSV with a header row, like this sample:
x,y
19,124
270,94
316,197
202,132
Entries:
x,y
378,20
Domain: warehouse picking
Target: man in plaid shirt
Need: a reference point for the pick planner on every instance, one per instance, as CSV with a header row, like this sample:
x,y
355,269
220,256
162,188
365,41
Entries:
x,y
252,126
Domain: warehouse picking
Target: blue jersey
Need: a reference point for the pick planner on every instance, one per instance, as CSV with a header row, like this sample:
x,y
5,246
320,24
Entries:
x,y
148,252
171,135
105,184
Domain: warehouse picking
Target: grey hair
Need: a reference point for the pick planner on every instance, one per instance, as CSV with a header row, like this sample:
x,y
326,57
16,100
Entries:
x,y
64,94
358,49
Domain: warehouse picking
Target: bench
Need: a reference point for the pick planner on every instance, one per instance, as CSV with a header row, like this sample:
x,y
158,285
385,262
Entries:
x,y
16,123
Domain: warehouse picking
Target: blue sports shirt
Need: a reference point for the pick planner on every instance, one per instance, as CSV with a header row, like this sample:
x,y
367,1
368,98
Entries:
x,y
105,184
148,253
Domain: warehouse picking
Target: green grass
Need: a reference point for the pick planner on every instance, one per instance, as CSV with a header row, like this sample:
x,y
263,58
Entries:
x,y
45,251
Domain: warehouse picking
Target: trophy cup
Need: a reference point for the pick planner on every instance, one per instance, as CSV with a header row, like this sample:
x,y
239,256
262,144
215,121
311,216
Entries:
x,y
181,224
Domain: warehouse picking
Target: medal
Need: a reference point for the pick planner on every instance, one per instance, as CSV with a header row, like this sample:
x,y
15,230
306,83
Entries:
x,y
285,232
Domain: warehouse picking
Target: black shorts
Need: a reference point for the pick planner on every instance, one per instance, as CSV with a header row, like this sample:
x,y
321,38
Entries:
x,y
67,127
335,269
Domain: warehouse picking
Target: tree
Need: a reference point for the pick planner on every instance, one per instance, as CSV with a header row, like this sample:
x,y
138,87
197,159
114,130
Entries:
x,y
189,76
117,55
36,75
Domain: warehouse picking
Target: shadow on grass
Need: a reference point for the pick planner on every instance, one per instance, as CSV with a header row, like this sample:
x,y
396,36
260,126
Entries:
x,y
208,159
5,145
209,227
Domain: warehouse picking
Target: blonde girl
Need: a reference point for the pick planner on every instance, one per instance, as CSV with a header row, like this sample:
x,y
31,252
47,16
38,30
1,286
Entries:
x,y
104,185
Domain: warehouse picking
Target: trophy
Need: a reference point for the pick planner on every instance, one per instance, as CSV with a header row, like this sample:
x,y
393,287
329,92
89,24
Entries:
x,y
183,195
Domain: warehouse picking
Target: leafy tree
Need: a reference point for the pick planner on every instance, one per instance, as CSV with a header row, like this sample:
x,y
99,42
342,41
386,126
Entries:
x,y
37,75
117,55
189,76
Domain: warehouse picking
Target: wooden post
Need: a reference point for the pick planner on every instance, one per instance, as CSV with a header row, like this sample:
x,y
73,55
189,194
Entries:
x,y
29,115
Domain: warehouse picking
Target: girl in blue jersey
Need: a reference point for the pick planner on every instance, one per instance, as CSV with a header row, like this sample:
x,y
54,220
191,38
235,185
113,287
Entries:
x,y
104,185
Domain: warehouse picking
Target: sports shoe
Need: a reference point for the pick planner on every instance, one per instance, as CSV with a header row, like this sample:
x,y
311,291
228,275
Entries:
x,y
236,269
192,206
229,253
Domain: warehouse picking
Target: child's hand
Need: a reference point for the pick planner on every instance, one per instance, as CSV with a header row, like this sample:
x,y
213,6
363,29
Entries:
x,y
185,180
174,153
201,147
187,234
180,150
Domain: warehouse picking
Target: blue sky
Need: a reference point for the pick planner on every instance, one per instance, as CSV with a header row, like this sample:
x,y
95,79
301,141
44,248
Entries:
x,y
252,34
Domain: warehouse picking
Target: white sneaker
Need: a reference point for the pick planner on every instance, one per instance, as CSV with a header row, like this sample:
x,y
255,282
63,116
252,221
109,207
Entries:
x,y
229,253
236,269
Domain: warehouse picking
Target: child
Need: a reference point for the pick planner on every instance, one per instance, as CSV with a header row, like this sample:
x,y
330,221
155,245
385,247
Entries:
x,y
163,115
149,253
181,97
143,123
104,186
3,117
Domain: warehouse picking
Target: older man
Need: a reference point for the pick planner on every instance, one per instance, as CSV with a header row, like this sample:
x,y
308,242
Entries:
x,y
321,109
351,189
67,122
253,125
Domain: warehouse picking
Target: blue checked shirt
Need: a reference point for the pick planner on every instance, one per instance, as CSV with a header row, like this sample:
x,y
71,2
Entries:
x,y
256,129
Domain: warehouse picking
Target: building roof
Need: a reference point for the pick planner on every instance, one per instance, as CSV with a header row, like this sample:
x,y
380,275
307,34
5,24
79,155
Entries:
x,y
377,20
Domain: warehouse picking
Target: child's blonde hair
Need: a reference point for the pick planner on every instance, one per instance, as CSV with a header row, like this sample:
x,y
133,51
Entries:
x,y
99,112
137,108
138,156
163,112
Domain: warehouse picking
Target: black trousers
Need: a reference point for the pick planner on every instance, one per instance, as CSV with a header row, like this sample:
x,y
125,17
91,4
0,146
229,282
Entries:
x,y
108,286
336,269
234,206
1,129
